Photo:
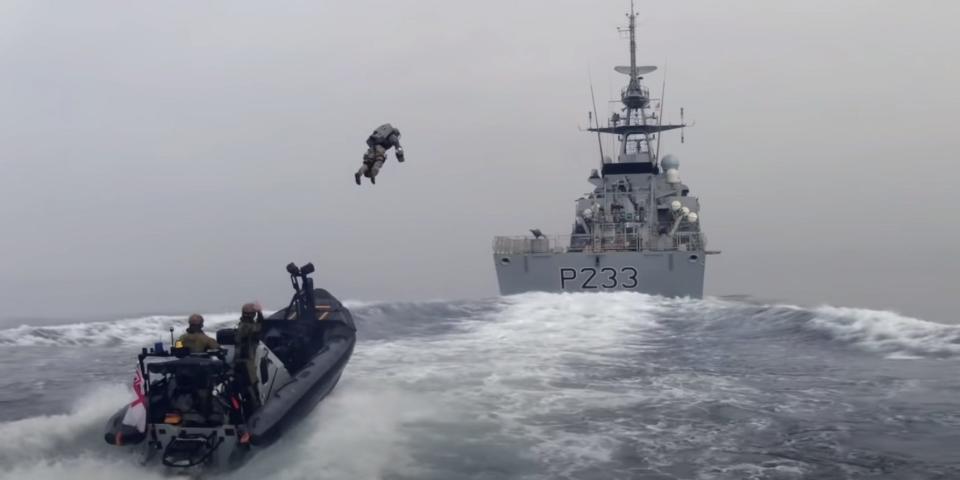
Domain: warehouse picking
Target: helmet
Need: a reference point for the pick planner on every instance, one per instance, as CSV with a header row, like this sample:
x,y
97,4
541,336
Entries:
x,y
195,320
249,311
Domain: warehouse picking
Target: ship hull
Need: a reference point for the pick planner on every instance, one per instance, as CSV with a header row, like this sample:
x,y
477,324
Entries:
x,y
666,273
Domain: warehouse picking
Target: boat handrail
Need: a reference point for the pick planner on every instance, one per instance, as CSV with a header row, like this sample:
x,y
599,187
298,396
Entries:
x,y
616,242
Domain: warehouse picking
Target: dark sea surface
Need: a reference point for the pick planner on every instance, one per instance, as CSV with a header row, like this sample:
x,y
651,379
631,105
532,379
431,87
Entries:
x,y
542,386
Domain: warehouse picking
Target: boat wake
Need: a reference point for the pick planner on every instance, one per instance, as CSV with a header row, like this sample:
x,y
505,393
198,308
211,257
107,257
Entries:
x,y
544,386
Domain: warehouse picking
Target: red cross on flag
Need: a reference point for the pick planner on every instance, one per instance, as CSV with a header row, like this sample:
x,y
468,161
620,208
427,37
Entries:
x,y
136,415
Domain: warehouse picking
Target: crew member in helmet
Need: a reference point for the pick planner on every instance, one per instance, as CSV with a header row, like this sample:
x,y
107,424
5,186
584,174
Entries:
x,y
245,359
384,138
195,340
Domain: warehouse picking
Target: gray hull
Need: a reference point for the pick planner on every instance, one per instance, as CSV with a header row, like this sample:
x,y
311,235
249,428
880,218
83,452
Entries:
x,y
667,273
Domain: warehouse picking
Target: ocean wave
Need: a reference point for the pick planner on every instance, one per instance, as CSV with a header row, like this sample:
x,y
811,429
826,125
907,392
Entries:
x,y
887,332
358,429
30,440
895,335
880,331
133,331
571,385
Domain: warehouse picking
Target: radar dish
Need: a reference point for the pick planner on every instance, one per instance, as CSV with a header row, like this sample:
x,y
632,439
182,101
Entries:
x,y
640,70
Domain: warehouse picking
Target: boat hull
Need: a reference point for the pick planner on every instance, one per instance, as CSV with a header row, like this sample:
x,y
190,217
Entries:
x,y
666,273
310,349
297,399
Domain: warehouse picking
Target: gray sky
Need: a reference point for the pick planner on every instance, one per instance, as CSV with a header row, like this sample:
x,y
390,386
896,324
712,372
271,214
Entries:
x,y
171,156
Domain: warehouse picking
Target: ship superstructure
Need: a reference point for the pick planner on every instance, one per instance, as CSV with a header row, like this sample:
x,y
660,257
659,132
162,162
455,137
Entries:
x,y
639,229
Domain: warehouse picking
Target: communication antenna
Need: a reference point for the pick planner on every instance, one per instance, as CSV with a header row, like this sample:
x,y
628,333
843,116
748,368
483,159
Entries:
x,y
596,119
663,95
681,123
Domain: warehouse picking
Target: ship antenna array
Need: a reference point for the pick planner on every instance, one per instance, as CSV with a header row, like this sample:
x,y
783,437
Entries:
x,y
682,138
596,119
631,30
663,96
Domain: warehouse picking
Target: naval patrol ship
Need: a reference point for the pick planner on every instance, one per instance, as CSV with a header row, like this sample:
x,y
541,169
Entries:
x,y
638,230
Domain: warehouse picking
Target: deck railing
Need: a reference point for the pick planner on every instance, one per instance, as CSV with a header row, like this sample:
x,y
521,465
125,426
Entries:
x,y
621,242
689,241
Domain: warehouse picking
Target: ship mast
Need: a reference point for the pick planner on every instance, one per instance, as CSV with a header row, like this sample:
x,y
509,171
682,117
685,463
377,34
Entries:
x,y
634,83
636,100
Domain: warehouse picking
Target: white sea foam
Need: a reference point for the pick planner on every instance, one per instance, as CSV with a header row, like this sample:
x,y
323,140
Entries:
x,y
529,357
522,359
36,439
887,332
514,384
357,432
134,331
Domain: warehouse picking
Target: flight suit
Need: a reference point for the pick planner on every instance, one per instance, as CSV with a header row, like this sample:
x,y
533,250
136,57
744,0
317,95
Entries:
x,y
382,139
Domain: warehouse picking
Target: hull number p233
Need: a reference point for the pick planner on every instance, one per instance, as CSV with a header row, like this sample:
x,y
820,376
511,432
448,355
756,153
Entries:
x,y
598,278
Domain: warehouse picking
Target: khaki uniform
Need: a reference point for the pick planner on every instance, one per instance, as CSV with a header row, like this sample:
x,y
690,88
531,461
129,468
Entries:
x,y
245,359
198,342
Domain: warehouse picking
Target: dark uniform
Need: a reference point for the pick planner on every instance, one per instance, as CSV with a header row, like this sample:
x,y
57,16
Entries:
x,y
247,339
195,340
382,139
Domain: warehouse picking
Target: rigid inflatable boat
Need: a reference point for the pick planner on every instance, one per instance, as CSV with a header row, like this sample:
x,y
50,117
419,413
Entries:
x,y
194,409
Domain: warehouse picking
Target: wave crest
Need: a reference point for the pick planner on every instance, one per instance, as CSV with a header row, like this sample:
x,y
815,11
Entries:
x,y
879,331
887,332
134,331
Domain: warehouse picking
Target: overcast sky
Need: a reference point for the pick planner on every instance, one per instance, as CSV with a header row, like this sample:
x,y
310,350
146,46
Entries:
x,y
174,156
